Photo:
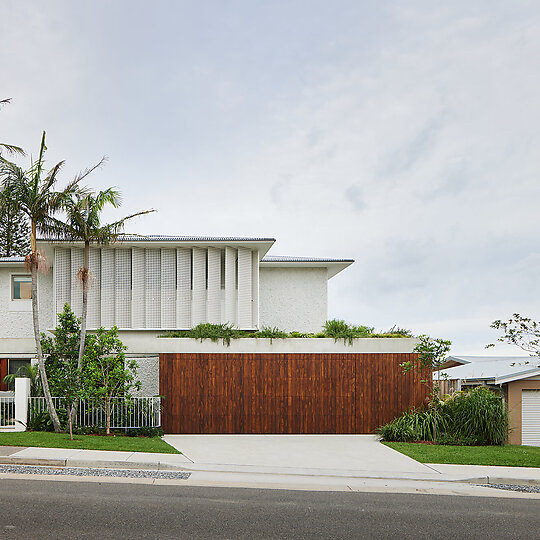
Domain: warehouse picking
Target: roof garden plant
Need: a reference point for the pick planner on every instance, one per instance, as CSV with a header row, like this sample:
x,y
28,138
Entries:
x,y
336,329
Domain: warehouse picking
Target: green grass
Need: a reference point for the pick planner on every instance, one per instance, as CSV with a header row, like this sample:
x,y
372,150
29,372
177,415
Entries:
x,y
505,456
87,442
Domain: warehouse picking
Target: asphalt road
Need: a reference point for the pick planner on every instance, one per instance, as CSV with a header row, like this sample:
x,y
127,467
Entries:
x,y
43,509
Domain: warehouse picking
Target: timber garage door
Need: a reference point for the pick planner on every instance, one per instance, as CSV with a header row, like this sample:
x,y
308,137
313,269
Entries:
x,y
530,417
285,393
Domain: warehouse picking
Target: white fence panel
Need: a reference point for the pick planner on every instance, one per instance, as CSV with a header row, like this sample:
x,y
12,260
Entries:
x,y
136,412
7,411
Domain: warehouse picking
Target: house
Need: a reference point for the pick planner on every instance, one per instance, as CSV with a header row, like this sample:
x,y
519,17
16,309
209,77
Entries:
x,y
146,285
518,377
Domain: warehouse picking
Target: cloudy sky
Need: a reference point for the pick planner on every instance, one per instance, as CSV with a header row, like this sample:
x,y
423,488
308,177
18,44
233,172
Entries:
x,y
404,135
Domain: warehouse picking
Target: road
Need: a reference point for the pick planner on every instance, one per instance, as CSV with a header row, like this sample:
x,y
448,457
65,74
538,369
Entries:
x,y
58,509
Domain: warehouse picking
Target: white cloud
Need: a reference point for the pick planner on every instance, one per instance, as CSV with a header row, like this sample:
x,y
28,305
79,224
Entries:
x,y
405,137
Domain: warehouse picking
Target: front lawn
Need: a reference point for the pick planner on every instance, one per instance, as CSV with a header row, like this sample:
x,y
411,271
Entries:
x,y
87,442
505,456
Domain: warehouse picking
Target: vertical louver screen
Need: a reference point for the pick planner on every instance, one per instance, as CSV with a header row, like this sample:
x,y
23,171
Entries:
x,y
123,288
152,289
94,292
168,288
137,288
77,261
161,288
62,278
230,285
107,288
183,288
214,286
198,286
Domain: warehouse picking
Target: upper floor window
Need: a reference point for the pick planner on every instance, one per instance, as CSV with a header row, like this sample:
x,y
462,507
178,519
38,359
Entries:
x,y
21,287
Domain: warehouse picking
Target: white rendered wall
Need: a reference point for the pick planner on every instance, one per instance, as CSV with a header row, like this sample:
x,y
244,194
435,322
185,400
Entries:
x,y
293,298
16,317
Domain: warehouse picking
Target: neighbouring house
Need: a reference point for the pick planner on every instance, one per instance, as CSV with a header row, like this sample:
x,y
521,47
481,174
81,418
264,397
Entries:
x,y
518,377
146,285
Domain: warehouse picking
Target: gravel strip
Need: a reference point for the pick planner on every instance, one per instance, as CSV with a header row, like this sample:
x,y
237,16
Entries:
x,y
81,471
514,487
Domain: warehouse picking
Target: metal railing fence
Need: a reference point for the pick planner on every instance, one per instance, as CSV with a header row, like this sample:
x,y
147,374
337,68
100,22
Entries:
x,y
7,411
136,412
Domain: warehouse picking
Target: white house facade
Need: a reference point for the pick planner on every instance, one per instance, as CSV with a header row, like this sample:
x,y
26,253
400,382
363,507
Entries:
x,y
146,285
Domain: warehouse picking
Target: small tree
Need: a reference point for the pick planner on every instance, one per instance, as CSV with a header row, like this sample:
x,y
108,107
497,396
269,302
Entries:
x,y
69,384
432,355
14,230
107,373
61,350
520,331
61,347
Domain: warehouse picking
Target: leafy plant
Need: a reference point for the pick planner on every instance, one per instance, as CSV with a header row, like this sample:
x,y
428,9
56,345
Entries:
x,y
521,332
108,374
270,332
467,418
29,372
431,355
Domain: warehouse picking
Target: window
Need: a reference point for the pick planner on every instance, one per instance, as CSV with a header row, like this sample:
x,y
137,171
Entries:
x,y
21,287
15,364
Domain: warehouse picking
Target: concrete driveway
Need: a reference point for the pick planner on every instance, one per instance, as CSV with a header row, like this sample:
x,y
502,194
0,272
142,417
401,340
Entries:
x,y
353,453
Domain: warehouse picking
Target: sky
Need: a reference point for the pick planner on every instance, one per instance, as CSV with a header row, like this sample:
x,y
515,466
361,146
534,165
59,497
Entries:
x,y
404,135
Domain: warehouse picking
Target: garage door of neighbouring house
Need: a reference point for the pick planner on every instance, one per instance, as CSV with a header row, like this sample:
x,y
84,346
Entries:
x,y
530,417
285,393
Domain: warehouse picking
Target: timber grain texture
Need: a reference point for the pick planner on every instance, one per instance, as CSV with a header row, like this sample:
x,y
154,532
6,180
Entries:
x,y
3,373
285,393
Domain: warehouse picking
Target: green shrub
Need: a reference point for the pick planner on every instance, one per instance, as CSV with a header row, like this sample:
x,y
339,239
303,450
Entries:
x,y
475,417
339,329
480,414
41,421
270,332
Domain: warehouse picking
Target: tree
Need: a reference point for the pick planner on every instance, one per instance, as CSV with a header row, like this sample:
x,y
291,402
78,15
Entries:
x,y
32,191
520,331
83,222
14,230
107,373
61,350
9,148
432,355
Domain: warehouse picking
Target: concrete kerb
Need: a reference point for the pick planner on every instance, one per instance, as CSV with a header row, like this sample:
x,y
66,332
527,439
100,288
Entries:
x,y
164,465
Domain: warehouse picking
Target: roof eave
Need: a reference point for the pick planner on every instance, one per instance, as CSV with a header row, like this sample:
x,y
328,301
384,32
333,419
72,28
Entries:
x,y
333,267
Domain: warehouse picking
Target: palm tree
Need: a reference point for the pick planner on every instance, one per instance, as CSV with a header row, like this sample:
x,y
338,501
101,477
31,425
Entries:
x,y
29,372
83,223
33,193
9,147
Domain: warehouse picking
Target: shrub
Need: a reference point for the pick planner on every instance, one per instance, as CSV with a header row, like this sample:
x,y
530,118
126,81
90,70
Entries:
x,y
339,329
270,332
41,421
475,417
480,414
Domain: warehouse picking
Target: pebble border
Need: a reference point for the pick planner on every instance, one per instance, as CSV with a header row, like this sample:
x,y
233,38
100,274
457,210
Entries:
x,y
82,471
514,487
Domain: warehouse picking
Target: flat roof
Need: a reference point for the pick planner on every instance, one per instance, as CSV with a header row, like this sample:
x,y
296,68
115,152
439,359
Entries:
x,y
333,265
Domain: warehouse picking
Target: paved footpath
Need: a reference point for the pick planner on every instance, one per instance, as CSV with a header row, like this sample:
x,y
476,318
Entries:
x,y
241,462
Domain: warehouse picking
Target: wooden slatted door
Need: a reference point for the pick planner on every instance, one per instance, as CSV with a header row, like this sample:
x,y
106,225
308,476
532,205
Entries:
x,y
3,372
285,393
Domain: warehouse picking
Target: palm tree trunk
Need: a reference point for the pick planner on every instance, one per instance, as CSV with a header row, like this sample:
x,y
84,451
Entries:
x,y
84,303
35,316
